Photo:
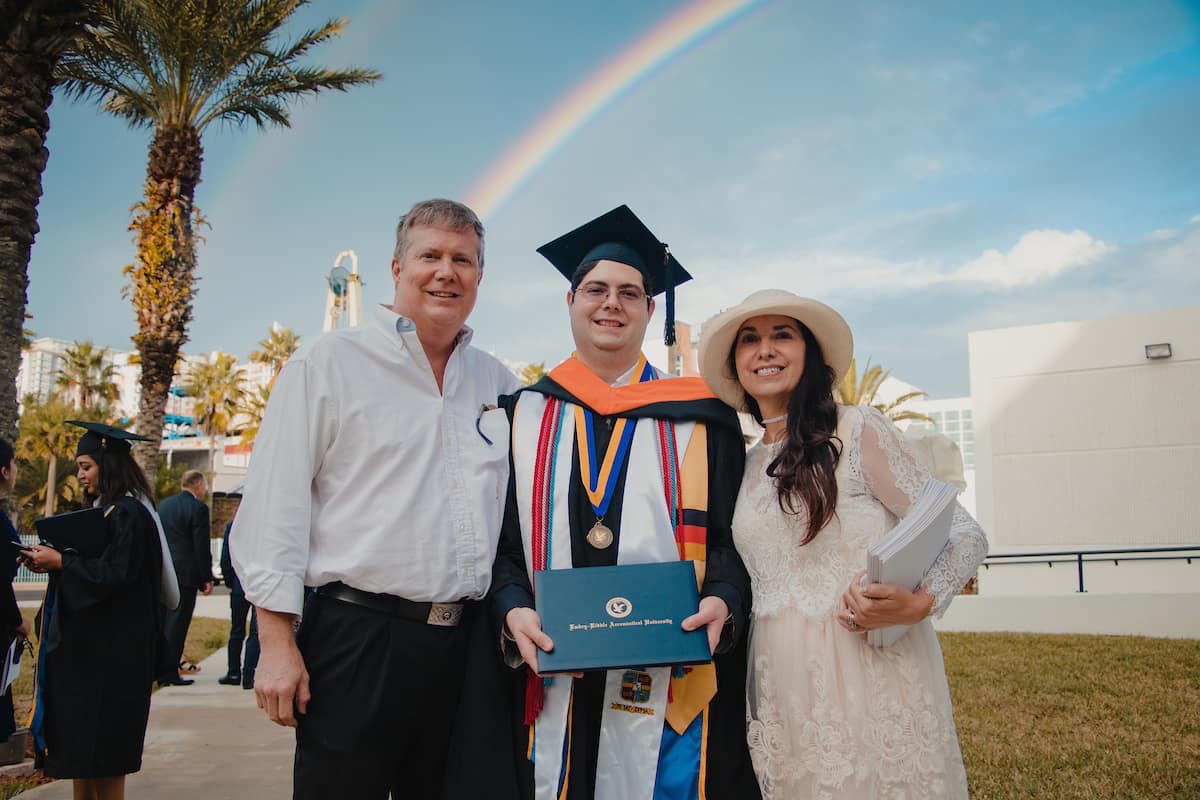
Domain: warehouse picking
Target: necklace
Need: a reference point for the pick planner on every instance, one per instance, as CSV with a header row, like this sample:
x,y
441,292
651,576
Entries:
x,y
780,418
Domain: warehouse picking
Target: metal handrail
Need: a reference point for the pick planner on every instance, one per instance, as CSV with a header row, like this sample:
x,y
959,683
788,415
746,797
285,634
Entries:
x,y
1080,557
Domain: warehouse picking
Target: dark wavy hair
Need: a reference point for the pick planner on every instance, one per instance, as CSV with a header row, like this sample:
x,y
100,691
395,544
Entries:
x,y
6,452
120,475
804,469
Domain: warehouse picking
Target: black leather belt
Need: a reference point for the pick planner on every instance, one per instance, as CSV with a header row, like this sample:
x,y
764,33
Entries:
x,y
445,615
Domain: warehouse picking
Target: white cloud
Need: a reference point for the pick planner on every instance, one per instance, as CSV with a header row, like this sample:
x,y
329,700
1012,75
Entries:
x,y
1195,219
1037,256
833,273
1163,235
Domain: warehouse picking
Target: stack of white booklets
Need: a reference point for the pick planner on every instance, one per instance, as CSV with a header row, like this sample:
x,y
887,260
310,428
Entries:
x,y
906,553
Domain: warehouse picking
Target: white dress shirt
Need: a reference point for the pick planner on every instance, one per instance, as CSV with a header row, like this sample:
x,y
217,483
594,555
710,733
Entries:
x,y
364,473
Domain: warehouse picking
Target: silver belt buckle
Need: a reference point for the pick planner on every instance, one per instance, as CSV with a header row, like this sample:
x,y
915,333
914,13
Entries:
x,y
446,615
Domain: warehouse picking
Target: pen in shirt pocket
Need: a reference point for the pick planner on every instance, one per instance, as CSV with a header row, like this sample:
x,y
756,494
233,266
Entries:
x,y
483,409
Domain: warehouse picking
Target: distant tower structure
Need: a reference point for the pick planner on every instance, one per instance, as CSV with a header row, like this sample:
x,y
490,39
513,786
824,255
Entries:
x,y
345,294
681,356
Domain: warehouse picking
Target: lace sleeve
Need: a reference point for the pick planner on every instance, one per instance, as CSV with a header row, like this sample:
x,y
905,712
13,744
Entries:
x,y
894,476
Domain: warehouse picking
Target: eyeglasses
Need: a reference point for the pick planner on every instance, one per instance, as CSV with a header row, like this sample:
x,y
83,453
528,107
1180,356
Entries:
x,y
598,293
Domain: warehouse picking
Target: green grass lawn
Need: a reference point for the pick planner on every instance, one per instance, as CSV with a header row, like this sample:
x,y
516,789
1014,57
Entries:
x,y
1067,717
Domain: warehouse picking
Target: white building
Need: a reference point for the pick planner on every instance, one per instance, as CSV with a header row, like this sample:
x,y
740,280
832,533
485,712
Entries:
x,y
1087,437
953,418
44,359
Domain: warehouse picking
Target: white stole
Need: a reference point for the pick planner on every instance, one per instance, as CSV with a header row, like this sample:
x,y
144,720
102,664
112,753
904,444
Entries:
x,y
629,741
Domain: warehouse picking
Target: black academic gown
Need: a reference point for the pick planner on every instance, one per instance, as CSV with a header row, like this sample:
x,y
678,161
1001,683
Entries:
x,y
10,620
103,642
730,774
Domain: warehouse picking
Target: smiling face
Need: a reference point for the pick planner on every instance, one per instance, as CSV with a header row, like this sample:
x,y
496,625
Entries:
x,y
437,280
88,473
609,314
769,356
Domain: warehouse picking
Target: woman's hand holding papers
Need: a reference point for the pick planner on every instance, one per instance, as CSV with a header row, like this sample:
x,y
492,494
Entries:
x,y
879,605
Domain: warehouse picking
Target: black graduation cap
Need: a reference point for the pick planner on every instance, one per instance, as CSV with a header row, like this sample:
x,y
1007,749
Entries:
x,y
620,236
100,438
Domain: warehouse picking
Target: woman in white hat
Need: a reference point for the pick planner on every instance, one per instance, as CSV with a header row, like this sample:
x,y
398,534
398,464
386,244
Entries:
x,y
830,715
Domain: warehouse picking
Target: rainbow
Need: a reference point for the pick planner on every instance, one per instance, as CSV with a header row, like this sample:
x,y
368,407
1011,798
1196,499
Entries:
x,y
674,35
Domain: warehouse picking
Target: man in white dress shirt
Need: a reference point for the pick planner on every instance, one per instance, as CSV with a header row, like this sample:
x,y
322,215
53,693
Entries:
x,y
379,477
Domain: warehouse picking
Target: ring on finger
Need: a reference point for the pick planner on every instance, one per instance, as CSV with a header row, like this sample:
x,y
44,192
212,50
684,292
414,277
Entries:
x,y
850,623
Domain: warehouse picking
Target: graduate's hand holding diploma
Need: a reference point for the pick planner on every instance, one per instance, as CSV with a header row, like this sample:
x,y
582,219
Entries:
x,y
281,680
525,626
712,615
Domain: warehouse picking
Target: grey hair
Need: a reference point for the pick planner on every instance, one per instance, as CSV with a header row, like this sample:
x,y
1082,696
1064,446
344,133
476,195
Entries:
x,y
437,213
191,478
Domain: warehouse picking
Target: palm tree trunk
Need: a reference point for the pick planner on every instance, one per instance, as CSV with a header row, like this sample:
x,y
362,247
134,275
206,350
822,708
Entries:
x,y
164,275
24,97
51,481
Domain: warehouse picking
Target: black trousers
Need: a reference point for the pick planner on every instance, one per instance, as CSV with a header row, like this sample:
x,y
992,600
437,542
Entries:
x,y
176,627
239,610
385,692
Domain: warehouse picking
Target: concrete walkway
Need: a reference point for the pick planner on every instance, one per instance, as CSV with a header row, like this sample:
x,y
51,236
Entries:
x,y
205,742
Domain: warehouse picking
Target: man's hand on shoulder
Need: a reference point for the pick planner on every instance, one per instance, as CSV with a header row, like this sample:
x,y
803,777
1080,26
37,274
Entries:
x,y
281,680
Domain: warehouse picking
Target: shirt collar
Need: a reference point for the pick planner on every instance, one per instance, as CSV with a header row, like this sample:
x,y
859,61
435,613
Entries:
x,y
395,326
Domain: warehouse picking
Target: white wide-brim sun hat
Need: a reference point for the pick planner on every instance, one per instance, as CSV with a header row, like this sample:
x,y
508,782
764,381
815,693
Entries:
x,y
718,333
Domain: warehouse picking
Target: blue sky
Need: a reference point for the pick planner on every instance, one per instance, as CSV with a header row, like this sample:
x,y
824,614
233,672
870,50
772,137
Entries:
x,y
928,169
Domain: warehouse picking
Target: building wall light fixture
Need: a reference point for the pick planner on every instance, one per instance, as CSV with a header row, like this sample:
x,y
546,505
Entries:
x,y
1157,351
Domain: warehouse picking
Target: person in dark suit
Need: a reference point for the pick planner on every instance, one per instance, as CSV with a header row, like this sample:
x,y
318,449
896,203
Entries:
x,y
185,522
240,672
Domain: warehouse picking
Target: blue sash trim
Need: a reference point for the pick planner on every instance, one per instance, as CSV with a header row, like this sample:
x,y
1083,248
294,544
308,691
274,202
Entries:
x,y
679,762
37,720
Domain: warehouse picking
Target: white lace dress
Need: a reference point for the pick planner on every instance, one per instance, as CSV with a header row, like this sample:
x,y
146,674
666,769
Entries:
x,y
829,715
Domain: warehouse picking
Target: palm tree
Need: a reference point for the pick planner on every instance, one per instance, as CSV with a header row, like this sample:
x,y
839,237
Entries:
x,y
44,435
217,386
254,408
33,36
860,390
277,348
532,373
177,66
87,377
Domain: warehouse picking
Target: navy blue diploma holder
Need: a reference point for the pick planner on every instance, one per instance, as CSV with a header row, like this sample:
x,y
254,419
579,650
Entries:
x,y
81,532
617,617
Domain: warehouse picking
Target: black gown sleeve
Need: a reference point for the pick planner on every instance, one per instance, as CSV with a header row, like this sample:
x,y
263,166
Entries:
x,y
511,587
87,581
725,575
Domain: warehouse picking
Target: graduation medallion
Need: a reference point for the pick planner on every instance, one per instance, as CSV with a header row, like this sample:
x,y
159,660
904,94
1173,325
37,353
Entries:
x,y
600,536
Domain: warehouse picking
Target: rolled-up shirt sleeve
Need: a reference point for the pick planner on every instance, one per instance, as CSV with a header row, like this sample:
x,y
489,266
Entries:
x,y
269,542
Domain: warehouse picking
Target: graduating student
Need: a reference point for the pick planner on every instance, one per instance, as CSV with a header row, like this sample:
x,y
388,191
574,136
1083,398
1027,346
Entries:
x,y
100,629
630,468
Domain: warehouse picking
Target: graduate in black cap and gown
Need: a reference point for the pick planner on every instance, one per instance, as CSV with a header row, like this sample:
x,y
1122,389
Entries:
x,y
100,628
613,463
